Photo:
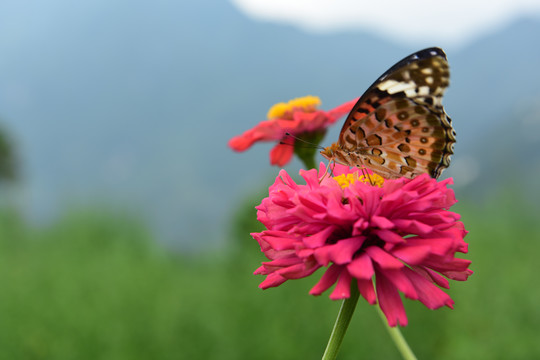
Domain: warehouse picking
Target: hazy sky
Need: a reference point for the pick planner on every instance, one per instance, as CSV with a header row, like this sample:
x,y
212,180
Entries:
x,y
450,23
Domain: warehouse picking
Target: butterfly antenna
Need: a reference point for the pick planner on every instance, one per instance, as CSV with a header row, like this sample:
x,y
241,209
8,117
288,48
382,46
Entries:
x,y
296,145
304,141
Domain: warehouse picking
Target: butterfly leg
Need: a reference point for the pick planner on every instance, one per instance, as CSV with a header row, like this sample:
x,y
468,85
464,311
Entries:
x,y
366,174
326,172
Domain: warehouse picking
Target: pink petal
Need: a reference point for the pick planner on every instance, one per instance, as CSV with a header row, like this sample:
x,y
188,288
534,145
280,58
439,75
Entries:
x,y
285,178
458,275
390,302
290,126
261,270
264,131
338,169
413,227
432,276
381,222
341,110
361,267
327,280
366,289
311,177
343,287
412,255
385,260
437,245
319,239
438,217
428,293
277,242
272,280
282,262
298,271
457,267
312,202
401,282
337,213
241,143
389,236
281,154
359,226
340,252
304,253
303,119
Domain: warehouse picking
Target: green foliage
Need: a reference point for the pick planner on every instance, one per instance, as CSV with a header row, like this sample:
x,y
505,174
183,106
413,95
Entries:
x,y
8,168
95,286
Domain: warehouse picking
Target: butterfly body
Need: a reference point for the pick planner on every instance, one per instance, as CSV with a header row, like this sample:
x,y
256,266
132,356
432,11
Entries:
x,y
399,126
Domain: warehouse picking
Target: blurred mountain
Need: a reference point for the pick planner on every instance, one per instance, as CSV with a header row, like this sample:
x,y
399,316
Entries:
x,y
131,104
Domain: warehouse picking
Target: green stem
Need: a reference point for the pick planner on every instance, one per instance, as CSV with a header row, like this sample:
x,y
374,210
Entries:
x,y
306,147
342,323
398,338
309,162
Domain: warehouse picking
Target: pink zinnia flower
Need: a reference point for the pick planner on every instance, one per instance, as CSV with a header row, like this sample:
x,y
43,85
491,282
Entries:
x,y
399,237
298,116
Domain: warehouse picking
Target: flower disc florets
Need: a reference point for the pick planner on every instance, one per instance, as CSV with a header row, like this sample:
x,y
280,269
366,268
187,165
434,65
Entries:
x,y
399,237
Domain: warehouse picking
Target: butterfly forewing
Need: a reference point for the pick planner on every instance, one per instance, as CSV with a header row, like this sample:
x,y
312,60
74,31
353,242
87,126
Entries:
x,y
399,127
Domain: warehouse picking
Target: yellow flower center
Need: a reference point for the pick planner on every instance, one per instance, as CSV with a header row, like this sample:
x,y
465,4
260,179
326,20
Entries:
x,y
284,110
370,179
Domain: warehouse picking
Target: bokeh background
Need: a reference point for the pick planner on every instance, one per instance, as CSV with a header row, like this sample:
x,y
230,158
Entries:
x,y
125,219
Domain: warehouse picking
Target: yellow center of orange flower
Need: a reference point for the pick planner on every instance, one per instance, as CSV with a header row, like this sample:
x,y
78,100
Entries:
x,y
370,179
284,110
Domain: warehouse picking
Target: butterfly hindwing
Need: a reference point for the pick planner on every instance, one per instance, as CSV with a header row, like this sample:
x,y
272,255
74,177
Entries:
x,y
406,138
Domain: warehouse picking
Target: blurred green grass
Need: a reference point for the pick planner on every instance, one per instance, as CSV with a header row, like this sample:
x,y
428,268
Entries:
x,y
95,285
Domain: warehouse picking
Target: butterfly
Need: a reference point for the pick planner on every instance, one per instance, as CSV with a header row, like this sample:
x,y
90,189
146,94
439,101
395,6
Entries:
x,y
399,127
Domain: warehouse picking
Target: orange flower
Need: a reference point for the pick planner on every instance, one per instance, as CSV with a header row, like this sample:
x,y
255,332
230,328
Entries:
x,y
298,117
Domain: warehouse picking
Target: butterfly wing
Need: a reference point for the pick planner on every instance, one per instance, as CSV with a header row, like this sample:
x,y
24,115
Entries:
x,y
399,126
